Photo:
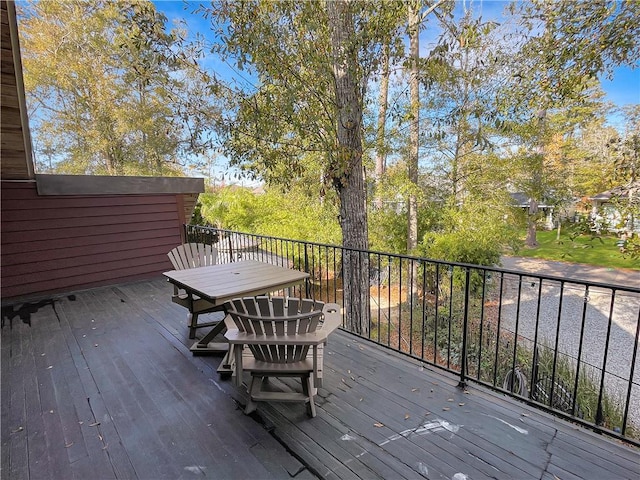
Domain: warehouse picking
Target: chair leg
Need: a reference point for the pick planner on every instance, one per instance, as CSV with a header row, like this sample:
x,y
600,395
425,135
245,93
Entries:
x,y
307,389
254,387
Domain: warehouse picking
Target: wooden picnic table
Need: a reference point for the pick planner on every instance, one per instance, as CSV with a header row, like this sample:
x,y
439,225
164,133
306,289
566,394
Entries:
x,y
222,282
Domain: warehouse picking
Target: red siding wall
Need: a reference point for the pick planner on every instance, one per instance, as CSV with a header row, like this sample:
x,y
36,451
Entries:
x,y
63,243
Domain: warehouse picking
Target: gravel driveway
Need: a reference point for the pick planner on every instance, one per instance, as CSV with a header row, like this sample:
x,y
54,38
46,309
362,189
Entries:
x,y
594,307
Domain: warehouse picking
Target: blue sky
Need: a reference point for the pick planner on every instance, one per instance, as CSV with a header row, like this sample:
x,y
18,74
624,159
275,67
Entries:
x,y
623,89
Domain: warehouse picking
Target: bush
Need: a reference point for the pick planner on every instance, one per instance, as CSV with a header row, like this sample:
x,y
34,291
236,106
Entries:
x,y
473,234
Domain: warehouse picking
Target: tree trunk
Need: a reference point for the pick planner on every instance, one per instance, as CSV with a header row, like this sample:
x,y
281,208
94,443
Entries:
x,y
414,132
414,147
536,180
381,154
532,220
348,176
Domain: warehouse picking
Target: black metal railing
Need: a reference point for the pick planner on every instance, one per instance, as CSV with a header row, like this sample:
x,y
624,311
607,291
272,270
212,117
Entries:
x,y
564,345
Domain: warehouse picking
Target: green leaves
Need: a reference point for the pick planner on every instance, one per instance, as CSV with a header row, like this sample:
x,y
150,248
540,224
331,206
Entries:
x,y
110,90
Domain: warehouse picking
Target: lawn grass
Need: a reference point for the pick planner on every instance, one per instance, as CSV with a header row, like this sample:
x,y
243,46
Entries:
x,y
600,251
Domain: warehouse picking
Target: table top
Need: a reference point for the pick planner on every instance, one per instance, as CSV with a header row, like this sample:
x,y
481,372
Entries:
x,y
223,282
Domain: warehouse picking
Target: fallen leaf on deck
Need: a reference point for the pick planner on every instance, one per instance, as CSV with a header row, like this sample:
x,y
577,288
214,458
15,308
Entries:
x,y
49,367
378,425
80,423
446,409
449,399
68,445
360,400
414,389
94,424
105,447
407,416
461,404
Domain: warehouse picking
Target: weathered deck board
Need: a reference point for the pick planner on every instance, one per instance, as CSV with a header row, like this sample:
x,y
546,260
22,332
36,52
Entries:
x,y
126,402
129,400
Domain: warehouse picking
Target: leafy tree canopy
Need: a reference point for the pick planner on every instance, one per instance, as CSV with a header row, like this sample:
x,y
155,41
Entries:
x,y
110,90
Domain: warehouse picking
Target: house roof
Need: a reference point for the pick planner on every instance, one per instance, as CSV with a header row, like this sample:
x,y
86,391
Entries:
x,y
620,191
17,162
520,199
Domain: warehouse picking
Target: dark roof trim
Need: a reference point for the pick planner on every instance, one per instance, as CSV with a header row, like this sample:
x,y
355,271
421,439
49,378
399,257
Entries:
x,y
107,185
22,102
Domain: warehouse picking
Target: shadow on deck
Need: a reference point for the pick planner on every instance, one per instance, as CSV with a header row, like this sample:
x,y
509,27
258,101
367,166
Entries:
x,y
101,384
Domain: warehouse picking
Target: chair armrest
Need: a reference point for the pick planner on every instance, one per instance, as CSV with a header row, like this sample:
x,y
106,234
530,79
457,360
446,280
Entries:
x,y
332,318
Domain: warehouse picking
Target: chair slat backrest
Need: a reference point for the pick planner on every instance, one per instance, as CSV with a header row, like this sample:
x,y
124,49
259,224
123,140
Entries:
x,y
276,317
191,255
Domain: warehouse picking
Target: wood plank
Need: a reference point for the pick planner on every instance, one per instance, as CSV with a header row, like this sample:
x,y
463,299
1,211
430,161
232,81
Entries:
x,y
111,461
60,247
386,396
93,279
160,244
70,274
151,379
15,453
79,232
80,211
69,264
115,217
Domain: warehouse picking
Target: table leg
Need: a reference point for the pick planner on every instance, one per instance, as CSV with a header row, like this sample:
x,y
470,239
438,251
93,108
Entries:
x,y
205,345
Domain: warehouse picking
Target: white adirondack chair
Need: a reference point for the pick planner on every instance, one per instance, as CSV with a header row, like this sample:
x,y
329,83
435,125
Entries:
x,y
280,337
191,255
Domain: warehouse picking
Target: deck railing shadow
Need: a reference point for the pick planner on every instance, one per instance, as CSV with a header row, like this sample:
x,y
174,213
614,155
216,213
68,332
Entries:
x,y
566,346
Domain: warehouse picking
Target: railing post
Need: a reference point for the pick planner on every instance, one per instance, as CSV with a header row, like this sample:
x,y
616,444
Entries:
x,y
465,323
185,233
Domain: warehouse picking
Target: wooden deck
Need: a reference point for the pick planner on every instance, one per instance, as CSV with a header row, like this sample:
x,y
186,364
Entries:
x,y
101,384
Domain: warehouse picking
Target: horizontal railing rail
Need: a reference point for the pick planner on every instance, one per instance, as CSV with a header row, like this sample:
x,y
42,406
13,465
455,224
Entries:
x,y
565,345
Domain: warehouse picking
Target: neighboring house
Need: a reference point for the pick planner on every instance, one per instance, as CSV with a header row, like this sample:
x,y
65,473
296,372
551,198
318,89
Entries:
x,y
61,233
614,209
521,200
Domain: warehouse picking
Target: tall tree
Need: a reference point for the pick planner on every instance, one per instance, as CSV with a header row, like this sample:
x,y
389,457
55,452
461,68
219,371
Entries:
x,y
383,102
348,81
110,90
570,44
414,125
300,112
